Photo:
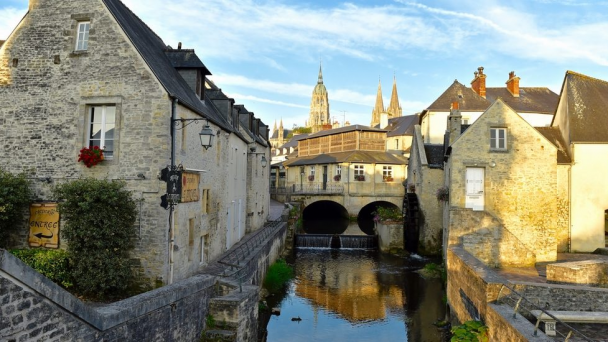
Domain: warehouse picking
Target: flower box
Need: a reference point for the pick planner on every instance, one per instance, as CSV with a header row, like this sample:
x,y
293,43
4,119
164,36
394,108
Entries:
x,y
90,156
360,178
311,178
443,194
387,179
337,178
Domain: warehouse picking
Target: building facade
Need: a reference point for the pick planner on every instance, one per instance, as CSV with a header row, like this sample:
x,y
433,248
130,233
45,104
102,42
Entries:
x,y
319,106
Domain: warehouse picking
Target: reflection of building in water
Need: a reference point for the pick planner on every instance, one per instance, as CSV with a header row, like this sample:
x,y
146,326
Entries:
x,y
349,288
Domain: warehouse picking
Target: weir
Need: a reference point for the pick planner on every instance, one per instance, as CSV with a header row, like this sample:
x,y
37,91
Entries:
x,y
327,241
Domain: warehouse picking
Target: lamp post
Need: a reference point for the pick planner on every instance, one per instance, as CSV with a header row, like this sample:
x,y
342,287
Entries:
x,y
301,176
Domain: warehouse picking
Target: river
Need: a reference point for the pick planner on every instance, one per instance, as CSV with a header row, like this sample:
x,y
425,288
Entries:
x,y
356,295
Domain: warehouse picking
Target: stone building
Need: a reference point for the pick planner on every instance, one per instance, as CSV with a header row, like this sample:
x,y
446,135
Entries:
x,y
80,73
381,115
279,135
319,106
502,206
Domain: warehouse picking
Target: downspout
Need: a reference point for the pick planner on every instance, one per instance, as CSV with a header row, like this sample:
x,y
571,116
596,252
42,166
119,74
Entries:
x,y
171,206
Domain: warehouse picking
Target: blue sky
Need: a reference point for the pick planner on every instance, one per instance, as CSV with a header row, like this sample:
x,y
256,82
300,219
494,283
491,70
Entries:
x,y
266,54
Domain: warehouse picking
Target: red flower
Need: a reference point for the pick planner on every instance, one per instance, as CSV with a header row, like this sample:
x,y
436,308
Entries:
x,y
90,156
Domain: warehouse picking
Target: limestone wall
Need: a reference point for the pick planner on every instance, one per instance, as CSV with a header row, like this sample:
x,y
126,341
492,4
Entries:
x,y
563,208
522,195
390,236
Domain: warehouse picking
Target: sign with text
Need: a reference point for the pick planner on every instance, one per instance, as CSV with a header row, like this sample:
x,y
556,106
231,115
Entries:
x,y
174,186
190,191
44,225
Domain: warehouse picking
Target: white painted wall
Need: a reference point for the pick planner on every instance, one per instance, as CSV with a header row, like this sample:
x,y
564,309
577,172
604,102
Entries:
x,y
589,196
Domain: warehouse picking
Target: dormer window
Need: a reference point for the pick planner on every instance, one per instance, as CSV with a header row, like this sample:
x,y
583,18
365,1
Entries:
x,y
82,36
498,138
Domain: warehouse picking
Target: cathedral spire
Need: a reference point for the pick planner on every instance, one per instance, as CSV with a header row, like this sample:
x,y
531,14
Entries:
x,y
281,124
320,81
379,107
394,110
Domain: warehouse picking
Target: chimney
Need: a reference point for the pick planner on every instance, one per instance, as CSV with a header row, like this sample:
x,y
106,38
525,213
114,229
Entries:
x,y
479,82
383,120
454,123
513,84
179,45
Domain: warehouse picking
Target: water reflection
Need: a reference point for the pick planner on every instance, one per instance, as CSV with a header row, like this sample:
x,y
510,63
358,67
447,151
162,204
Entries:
x,y
350,295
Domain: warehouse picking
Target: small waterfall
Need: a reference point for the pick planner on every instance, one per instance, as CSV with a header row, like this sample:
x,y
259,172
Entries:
x,y
313,240
359,241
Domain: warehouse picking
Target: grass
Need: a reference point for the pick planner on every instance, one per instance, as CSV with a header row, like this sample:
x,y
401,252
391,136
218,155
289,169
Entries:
x,y
277,276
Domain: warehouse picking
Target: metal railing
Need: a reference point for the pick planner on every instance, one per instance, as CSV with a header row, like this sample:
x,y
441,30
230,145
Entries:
x,y
514,299
317,188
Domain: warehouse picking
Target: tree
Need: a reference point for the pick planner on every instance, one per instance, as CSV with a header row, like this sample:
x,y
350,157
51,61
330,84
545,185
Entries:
x,y
15,195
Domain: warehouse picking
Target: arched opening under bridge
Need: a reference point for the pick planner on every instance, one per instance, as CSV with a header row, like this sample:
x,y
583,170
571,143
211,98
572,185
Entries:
x,y
325,217
366,215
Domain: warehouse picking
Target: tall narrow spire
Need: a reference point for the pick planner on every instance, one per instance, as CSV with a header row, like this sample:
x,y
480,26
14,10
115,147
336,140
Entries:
x,y
320,81
281,124
379,107
394,110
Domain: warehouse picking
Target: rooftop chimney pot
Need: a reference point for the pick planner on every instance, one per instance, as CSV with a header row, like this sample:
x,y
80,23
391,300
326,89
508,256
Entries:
x,y
513,84
479,82
179,45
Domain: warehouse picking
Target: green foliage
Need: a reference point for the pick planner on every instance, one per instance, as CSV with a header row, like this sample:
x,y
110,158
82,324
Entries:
x,y
300,223
470,331
387,214
293,212
277,276
53,264
100,217
210,320
14,197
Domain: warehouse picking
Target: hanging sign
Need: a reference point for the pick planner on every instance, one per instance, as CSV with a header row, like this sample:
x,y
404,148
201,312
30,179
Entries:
x,y
190,191
174,186
44,225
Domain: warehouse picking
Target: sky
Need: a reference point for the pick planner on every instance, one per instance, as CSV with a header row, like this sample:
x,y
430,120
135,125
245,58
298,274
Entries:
x,y
266,54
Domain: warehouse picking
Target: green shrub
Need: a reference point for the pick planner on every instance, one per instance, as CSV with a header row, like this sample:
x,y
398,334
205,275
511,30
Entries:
x,y
387,214
100,217
53,264
14,197
470,331
277,276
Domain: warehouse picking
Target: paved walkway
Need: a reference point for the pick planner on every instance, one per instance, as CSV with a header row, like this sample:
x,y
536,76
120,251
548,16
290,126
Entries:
x,y
275,211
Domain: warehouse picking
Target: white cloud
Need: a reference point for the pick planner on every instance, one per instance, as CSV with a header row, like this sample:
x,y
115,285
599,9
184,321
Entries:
x,y
240,97
10,18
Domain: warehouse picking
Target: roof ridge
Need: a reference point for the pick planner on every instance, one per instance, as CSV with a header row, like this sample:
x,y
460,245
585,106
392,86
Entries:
x,y
574,73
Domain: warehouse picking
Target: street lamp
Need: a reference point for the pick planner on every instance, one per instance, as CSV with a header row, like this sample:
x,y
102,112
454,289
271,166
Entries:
x,y
301,176
206,136
264,161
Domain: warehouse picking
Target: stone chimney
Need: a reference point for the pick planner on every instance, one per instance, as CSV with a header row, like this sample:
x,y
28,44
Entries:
x,y
454,123
479,82
513,84
383,120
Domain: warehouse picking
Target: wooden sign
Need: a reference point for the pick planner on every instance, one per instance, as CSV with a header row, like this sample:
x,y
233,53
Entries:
x,y
190,190
44,225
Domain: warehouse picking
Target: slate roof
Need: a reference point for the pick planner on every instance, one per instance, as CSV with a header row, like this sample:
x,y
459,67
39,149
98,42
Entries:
x,y
366,157
345,129
403,125
293,142
587,104
467,98
275,133
152,49
530,100
186,58
2,42
554,135
434,155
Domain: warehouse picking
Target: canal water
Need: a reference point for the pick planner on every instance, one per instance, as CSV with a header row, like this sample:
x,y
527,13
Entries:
x,y
356,295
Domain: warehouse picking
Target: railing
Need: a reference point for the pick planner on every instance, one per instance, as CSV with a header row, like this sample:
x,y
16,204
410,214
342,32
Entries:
x,y
514,299
315,189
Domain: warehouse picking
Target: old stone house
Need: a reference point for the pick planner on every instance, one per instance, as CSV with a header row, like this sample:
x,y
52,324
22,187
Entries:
x,y
534,104
582,120
502,206
80,73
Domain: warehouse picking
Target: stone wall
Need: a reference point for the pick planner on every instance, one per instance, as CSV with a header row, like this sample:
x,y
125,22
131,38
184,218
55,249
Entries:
x,y
390,236
593,272
563,209
522,195
564,297
506,328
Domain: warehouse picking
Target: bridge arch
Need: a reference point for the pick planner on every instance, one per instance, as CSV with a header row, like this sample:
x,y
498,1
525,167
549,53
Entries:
x,y
365,218
325,217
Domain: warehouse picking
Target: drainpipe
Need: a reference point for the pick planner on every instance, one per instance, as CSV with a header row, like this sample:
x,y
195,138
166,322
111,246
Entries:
x,y
171,206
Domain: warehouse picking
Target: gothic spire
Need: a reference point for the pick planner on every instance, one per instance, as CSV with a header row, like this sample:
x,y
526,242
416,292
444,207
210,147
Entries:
x,y
281,124
379,107
393,108
320,81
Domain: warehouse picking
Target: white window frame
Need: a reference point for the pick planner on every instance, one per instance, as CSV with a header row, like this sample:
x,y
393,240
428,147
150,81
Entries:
x,y
82,36
496,142
387,171
312,171
338,170
359,170
102,139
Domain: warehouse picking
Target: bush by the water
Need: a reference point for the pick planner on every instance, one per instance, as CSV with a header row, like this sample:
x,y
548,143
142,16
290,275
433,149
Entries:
x,y
100,228
278,275
470,331
15,195
53,264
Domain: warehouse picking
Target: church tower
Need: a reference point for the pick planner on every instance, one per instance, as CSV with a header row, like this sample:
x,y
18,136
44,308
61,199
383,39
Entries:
x,y
319,106
394,109
378,108
281,133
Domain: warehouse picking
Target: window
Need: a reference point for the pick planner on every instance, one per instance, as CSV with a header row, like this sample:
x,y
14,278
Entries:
x,y
387,173
204,248
312,171
102,121
359,170
82,36
498,138
205,202
338,170
396,144
190,238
